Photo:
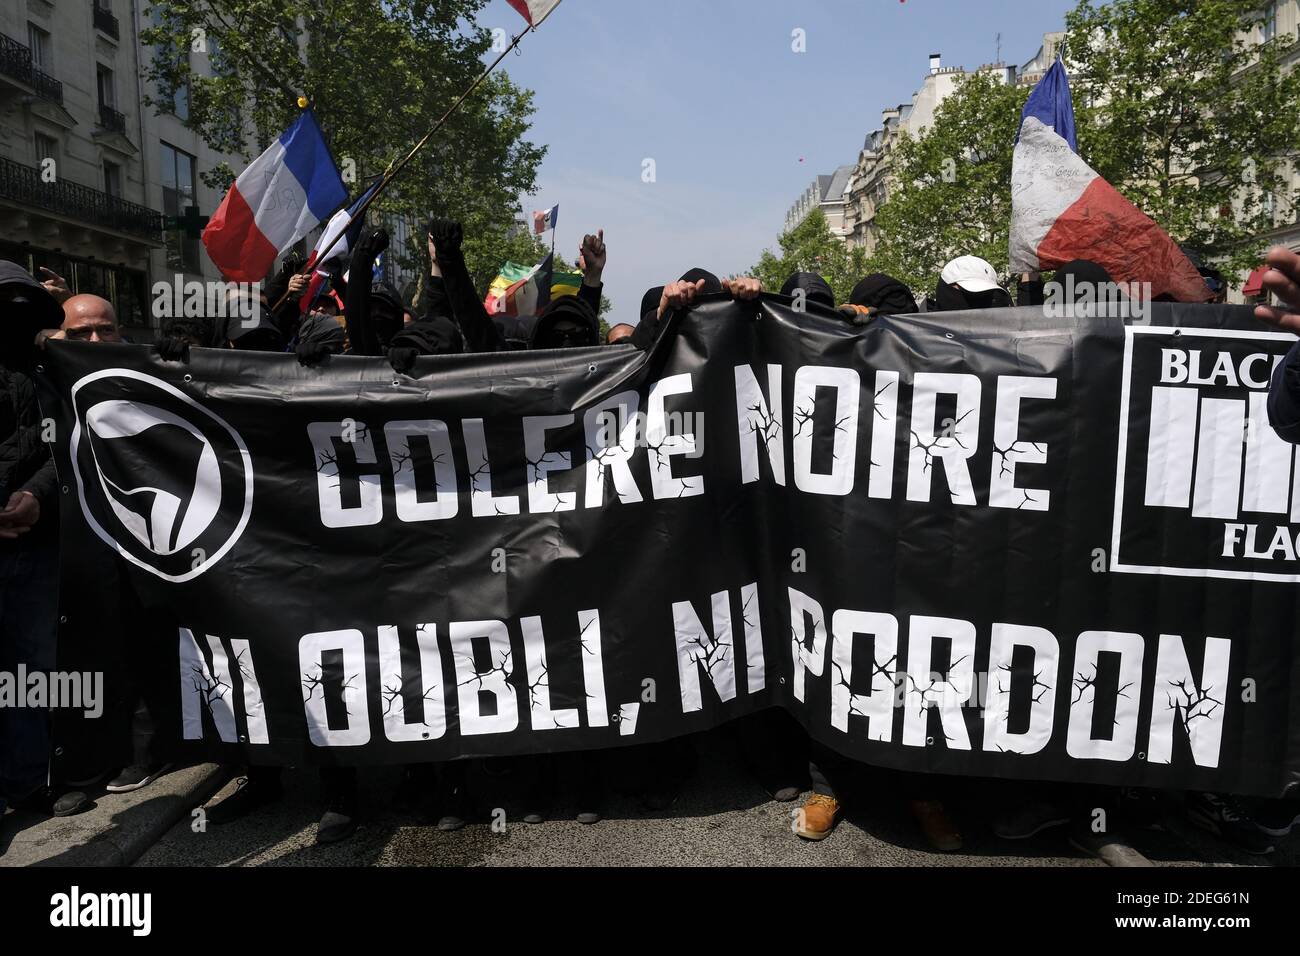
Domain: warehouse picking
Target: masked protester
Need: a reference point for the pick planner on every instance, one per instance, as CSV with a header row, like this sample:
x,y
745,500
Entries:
x,y
179,335
968,282
319,336
568,322
813,287
875,295
29,557
682,295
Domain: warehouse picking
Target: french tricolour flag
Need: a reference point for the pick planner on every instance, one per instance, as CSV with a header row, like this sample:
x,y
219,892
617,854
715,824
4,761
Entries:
x,y
1062,210
281,197
545,219
534,11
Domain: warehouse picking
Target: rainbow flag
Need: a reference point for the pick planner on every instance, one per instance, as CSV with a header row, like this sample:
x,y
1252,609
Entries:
x,y
520,290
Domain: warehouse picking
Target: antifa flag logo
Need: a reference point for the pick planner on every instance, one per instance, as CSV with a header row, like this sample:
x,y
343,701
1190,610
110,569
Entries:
x,y
161,479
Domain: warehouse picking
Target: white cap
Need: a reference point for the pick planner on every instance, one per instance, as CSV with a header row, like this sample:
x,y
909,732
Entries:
x,y
970,274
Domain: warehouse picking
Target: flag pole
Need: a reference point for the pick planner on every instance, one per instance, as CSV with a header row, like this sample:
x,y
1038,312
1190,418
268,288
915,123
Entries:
x,y
397,168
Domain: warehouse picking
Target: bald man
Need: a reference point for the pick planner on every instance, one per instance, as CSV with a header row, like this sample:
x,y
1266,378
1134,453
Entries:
x,y
88,318
619,334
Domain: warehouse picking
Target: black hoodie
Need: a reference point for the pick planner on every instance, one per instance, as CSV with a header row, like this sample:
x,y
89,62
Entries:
x,y
25,464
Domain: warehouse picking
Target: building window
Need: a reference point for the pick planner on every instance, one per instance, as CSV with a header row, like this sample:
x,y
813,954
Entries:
x,y
39,41
179,191
113,179
104,83
1270,22
47,147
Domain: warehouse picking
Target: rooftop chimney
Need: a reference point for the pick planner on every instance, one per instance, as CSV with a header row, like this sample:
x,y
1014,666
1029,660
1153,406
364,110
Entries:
x,y
936,62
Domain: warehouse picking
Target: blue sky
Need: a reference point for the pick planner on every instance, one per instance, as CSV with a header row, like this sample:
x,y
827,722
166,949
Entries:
x,y
736,122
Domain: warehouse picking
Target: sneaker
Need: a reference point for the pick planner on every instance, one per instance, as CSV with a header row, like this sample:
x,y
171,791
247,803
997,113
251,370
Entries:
x,y
1221,815
1111,848
339,821
1277,818
816,819
136,778
936,825
1030,819
51,803
251,793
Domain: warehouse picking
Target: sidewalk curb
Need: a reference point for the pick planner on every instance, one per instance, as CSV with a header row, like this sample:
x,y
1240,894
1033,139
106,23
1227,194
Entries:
x,y
119,830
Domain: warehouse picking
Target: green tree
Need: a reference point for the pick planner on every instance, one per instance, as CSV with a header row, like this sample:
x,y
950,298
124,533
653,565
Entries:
x,y
378,74
812,247
951,194
1181,110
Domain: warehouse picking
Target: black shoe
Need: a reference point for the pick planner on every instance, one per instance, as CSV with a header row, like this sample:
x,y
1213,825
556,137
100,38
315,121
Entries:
x,y
50,803
252,793
136,777
339,821
452,800
1223,816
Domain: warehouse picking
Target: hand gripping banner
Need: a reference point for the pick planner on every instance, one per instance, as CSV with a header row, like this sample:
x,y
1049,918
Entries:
x,y
990,543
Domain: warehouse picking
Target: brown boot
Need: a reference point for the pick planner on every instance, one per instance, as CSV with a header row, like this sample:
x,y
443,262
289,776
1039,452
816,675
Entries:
x,y
816,819
940,832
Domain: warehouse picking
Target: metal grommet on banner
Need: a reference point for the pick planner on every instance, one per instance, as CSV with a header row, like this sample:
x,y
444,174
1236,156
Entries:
x,y
63,619
591,369
949,335
40,368
65,489
1178,332
929,741
397,383
187,377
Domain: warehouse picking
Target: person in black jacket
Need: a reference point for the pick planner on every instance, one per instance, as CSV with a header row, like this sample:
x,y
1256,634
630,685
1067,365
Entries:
x,y
1283,280
568,322
29,557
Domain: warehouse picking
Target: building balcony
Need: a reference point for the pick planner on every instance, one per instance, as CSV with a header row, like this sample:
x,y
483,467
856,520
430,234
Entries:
x,y
111,120
16,65
105,22
23,185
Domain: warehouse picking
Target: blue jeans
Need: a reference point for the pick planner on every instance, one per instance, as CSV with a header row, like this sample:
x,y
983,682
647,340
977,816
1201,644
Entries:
x,y
29,608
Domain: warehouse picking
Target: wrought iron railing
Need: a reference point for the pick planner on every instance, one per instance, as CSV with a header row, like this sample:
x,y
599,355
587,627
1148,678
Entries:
x,y
111,119
104,20
16,61
23,184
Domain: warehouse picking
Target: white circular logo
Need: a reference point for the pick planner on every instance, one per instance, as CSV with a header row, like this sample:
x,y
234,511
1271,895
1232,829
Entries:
x,y
163,480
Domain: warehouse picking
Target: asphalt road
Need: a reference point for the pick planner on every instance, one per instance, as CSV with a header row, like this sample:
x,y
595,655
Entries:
x,y
722,818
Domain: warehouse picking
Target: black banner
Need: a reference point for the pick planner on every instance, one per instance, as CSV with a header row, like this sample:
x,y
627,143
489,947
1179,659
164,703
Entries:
x,y
994,543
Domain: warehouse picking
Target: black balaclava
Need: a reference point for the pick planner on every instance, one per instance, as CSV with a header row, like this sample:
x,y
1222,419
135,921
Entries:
x,y
885,294
430,336
263,336
568,322
26,307
322,332
816,289
1085,273
951,298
